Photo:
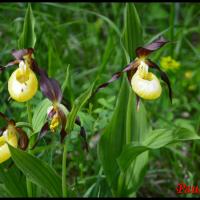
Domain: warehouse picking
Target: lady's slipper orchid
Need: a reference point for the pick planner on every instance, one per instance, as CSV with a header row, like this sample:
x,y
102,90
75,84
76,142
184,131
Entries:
x,y
12,135
22,84
57,112
144,83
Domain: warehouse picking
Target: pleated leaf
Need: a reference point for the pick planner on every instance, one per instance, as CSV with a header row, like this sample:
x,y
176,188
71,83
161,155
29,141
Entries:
x,y
40,115
77,105
38,171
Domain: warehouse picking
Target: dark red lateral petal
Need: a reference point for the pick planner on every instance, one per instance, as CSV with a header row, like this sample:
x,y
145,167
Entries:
x,y
51,113
23,139
117,75
50,88
82,134
163,75
130,74
155,45
63,118
18,54
4,117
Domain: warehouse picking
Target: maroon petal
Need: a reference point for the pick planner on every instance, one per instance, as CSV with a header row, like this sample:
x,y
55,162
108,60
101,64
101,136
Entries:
x,y
23,139
44,130
4,117
155,45
63,118
18,54
163,75
117,75
50,88
130,74
63,134
51,113
82,134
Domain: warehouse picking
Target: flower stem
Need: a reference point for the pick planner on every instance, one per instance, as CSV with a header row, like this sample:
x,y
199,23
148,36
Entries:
x,y
28,182
64,170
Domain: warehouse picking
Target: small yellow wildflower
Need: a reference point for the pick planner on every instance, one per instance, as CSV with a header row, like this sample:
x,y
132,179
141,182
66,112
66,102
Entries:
x,y
188,74
168,63
192,87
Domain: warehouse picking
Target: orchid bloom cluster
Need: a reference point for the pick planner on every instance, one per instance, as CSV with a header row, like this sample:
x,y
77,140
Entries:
x,y
145,84
22,86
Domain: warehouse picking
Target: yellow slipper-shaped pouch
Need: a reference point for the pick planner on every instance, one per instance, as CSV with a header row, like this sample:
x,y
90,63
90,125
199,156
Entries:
x,y
22,85
7,137
147,87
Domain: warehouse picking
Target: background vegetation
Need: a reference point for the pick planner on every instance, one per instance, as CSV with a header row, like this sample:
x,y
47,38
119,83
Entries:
x,y
86,38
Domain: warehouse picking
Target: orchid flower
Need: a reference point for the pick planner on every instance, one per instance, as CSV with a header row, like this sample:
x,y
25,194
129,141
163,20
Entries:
x,y
22,84
144,83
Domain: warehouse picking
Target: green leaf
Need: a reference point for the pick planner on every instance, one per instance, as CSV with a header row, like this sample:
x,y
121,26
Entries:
x,y
38,171
40,115
78,104
157,139
28,38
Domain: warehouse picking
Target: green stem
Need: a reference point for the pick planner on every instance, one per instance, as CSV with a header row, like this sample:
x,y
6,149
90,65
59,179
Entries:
x,y
172,18
64,170
28,182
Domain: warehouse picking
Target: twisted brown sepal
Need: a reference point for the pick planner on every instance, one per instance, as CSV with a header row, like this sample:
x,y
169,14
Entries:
x,y
115,76
163,75
148,49
23,139
44,130
50,88
4,117
82,134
